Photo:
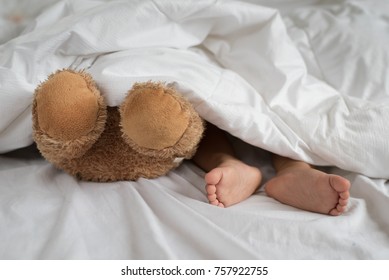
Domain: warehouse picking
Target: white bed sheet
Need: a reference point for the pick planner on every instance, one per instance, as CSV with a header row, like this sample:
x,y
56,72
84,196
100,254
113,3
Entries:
x,y
304,79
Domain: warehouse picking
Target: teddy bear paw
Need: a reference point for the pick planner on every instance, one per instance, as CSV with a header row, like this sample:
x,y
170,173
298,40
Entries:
x,y
157,121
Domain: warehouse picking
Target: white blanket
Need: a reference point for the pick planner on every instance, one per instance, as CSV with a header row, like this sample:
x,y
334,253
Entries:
x,y
311,84
235,63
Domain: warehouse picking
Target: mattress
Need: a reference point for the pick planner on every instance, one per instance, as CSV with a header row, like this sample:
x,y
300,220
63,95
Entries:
x,y
303,79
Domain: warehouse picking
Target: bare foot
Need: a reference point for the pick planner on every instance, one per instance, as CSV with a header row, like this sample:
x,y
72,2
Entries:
x,y
310,189
232,182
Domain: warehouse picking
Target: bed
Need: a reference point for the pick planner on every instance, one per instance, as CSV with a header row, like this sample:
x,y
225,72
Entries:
x,y
305,79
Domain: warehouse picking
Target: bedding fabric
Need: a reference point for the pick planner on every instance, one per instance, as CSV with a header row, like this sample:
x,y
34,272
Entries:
x,y
304,79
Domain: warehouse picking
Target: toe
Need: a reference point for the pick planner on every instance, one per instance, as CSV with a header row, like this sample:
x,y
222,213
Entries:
x,y
215,202
341,208
214,176
344,195
211,189
339,184
343,202
212,197
334,212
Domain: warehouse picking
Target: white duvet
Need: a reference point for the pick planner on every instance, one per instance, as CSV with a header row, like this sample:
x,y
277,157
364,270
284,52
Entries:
x,y
310,83
235,62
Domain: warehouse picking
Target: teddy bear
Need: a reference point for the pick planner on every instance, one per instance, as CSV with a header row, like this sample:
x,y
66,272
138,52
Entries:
x,y
148,135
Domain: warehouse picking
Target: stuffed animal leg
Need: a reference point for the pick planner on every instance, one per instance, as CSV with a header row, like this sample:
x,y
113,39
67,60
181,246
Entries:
x,y
144,137
69,115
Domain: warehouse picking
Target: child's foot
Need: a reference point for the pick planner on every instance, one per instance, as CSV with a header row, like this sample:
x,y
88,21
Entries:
x,y
232,182
310,189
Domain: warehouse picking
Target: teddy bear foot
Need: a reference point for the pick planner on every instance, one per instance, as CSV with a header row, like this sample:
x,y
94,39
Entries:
x,y
149,135
112,159
68,114
157,121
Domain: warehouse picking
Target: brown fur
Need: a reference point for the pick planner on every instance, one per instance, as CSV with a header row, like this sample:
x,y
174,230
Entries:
x,y
152,119
100,148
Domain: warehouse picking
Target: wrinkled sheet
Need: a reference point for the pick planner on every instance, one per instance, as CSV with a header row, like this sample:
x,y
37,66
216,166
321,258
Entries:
x,y
305,81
